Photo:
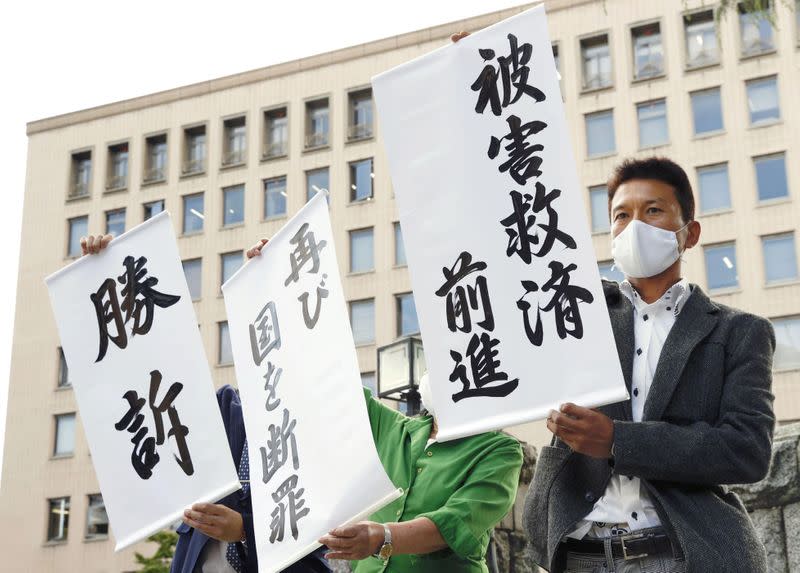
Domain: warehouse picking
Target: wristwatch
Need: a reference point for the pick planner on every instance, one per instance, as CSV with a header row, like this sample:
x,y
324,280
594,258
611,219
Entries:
x,y
386,549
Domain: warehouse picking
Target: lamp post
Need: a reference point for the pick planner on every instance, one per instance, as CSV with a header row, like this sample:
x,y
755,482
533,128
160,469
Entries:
x,y
401,364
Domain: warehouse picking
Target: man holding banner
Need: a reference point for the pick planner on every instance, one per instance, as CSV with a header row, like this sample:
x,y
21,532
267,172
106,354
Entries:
x,y
638,485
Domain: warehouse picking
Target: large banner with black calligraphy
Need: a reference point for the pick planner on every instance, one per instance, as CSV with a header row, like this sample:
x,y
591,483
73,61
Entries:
x,y
141,380
313,464
506,285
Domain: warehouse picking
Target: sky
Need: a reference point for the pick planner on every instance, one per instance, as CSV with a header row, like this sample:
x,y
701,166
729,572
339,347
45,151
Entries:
x,y
59,57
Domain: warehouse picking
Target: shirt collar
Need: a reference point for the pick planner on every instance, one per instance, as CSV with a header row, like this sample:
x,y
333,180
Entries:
x,y
674,299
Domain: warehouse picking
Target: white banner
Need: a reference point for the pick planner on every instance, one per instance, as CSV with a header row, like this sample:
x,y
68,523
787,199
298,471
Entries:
x,y
506,285
141,380
313,464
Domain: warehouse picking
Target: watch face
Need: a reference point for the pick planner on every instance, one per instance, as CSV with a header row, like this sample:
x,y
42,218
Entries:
x,y
386,551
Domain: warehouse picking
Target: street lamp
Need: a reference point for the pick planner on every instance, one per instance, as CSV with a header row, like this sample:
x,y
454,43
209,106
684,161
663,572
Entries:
x,y
401,364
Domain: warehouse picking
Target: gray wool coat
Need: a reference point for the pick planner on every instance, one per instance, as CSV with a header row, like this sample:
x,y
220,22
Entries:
x,y
708,422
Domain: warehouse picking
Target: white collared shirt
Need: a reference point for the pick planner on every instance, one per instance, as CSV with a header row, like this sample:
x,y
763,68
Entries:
x,y
625,500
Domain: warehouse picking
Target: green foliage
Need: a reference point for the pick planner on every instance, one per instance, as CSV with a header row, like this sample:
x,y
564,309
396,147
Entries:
x,y
161,559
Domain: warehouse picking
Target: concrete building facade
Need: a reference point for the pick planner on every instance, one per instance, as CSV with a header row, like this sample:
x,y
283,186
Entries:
x,y
233,158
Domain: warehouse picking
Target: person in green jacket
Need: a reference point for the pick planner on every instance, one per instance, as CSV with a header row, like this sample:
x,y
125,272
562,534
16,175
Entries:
x,y
453,494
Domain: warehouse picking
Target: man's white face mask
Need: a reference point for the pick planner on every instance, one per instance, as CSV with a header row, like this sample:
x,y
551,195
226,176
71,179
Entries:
x,y
643,251
425,394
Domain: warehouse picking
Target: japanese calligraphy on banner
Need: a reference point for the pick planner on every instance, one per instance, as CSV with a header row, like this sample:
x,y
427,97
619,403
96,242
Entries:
x,y
141,380
314,465
506,284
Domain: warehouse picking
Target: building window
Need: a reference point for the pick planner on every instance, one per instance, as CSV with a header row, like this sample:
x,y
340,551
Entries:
x,y
361,176
701,39
156,160
755,30
598,197
399,246
193,271
714,188
193,216
232,205
96,517
361,251
317,123
707,111
225,353
117,167
368,381
721,272
274,197
360,117
600,138
317,181
648,51
407,323
153,208
780,258
771,177
58,519
63,370
78,227
234,144
596,62
276,133
64,442
609,272
762,100
81,177
230,263
652,118
115,222
362,321
787,339
194,160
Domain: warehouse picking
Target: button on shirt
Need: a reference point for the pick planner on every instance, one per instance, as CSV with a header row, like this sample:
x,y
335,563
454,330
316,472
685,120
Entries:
x,y
626,502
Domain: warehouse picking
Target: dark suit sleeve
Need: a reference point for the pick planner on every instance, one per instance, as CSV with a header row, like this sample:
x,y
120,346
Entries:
x,y
737,449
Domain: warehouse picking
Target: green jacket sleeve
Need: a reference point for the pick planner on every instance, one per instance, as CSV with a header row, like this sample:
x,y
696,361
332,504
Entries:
x,y
482,501
380,416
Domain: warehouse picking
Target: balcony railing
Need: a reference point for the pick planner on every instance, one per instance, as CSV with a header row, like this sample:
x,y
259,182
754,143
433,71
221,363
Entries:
x,y
316,140
191,166
233,157
596,81
77,190
117,182
274,149
359,131
154,174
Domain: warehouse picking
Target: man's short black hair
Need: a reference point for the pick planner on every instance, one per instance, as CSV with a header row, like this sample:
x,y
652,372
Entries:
x,y
659,169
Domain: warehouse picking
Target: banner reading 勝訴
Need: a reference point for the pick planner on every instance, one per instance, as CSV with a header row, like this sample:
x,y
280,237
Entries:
x,y
506,285
141,380
313,462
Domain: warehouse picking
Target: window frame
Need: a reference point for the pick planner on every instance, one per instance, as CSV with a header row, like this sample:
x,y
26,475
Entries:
x,y
147,168
584,88
782,281
225,190
727,288
632,28
186,159
350,234
687,66
266,217
265,151
72,182
308,104
370,133
110,177
202,216
227,160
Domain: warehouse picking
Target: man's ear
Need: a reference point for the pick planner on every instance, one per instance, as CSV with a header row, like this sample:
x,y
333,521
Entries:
x,y
692,234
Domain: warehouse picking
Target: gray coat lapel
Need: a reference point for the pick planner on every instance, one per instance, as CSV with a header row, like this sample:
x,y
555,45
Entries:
x,y
694,323
621,311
